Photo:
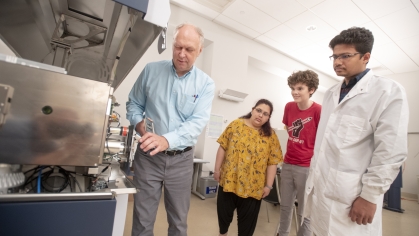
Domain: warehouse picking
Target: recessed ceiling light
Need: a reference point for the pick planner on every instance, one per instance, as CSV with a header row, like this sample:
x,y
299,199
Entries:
x,y
311,28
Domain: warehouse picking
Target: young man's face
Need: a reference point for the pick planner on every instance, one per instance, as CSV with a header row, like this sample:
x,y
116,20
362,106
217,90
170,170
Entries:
x,y
301,93
350,62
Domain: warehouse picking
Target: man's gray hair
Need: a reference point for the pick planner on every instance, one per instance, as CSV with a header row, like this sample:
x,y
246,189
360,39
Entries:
x,y
197,29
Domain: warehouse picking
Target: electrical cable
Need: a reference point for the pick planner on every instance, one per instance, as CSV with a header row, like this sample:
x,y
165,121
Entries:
x,y
77,182
35,169
119,118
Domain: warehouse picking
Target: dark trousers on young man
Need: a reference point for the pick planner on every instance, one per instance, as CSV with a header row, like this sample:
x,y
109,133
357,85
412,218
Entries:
x,y
152,173
247,212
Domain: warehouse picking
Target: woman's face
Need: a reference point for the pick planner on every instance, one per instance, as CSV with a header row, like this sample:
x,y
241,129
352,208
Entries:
x,y
260,115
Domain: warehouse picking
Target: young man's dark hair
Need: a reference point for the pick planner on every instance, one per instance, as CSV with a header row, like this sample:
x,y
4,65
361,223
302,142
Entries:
x,y
361,38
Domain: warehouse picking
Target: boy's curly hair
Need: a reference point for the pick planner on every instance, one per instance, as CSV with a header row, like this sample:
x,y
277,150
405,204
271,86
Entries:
x,y
307,77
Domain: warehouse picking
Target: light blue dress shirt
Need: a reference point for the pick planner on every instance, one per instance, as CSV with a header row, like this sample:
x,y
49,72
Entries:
x,y
179,106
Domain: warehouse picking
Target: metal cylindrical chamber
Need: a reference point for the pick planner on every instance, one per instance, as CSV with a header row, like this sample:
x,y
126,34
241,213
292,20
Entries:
x,y
123,131
113,147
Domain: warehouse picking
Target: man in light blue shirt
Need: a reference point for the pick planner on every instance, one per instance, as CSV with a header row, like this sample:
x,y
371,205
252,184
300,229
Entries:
x,y
177,96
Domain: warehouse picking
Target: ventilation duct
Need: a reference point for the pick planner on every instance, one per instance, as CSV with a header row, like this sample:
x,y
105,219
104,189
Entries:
x,y
232,95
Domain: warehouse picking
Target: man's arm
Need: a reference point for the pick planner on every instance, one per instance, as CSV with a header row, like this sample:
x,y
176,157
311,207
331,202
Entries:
x,y
193,126
136,102
390,151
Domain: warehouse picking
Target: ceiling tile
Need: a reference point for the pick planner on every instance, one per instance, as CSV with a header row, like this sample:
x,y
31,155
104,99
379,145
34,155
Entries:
x,y
315,52
401,24
310,3
316,56
281,10
392,57
196,8
380,37
349,15
379,8
410,46
250,16
288,37
377,67
236,26
302,21
273,44
374,64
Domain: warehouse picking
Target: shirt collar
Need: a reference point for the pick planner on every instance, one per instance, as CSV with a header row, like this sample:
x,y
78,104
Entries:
x,y
356,79
185,75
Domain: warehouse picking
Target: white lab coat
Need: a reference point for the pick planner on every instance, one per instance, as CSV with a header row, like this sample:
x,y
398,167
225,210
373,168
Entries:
x,y
360,145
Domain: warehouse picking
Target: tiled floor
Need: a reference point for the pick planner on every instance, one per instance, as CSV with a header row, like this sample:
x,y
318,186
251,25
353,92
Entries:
x,y
202,220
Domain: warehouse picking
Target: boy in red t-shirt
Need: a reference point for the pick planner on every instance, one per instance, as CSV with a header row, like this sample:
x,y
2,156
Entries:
x,y
301,119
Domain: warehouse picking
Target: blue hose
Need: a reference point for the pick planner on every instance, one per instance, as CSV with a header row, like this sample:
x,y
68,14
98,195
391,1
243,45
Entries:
x,y
39,180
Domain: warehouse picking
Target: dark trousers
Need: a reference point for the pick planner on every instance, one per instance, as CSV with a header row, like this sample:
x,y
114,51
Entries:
x,y
247,212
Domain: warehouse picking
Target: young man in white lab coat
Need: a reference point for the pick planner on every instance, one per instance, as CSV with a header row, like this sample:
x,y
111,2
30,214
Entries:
x,y
360,145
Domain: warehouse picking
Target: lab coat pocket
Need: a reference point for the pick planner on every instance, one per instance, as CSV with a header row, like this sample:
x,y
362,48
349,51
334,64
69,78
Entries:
x,y
187,105
343,187
350,128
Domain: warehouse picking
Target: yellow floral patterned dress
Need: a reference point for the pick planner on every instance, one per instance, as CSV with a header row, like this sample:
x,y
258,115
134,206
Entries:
x,y
247,155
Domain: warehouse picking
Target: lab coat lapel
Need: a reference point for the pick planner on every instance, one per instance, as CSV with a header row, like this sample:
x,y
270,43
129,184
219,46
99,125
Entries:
x,y
360,88
336,94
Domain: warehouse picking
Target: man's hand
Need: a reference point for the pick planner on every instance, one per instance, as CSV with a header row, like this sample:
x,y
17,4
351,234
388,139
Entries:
x,y
266,192
140,128
362,211
153,141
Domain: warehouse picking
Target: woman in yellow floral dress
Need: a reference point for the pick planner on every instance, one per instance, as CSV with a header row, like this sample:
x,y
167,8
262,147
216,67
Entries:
x,y
245,167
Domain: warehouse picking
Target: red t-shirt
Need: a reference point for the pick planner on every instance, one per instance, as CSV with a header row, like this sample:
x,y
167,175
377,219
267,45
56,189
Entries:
x,y
302,128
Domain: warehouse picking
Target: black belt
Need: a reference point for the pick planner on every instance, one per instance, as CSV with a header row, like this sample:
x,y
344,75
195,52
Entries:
x,y
176,152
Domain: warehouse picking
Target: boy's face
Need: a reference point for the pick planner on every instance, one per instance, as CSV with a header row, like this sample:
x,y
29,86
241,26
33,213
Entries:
x,y
301,93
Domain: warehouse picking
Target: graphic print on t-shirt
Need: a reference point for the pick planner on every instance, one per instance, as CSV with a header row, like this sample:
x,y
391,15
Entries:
x,y
298,125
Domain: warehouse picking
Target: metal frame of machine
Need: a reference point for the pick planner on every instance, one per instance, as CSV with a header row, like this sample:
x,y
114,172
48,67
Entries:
x,y
60,140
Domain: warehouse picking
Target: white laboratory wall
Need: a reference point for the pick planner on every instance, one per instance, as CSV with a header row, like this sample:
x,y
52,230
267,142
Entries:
x,y
410,82
226,59
4,49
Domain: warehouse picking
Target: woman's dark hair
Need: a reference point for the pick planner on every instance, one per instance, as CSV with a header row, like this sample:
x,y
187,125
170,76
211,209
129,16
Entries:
x,y
361,38
266,128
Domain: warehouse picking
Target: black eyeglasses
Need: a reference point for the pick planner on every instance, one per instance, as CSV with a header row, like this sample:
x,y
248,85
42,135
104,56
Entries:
x,y
258,110
343,57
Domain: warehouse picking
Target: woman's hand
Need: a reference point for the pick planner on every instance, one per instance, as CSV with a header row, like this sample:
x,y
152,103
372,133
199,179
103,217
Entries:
x,y
266,191
217,176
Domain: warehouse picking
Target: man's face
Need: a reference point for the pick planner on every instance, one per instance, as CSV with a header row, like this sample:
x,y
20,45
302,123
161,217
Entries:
x,y
186,48
300,92
349,62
